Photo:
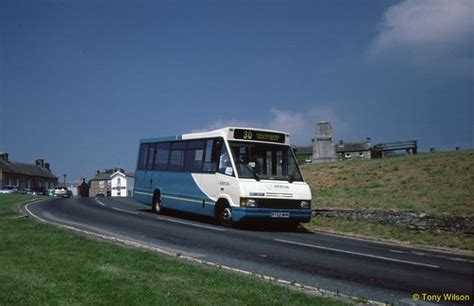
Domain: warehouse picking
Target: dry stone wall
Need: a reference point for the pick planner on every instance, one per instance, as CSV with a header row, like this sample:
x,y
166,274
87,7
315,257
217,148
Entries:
x,y
411,220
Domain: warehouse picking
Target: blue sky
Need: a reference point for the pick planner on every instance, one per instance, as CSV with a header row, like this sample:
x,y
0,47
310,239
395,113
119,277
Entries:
x,y
83,81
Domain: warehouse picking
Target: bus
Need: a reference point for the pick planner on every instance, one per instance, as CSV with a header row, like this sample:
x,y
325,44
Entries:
x,y
231,174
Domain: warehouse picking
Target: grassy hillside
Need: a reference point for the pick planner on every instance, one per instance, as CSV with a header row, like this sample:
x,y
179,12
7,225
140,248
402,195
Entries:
x,y
429,182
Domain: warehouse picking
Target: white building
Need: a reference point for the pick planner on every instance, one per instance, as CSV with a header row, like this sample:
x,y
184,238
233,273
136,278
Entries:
x,y
122,184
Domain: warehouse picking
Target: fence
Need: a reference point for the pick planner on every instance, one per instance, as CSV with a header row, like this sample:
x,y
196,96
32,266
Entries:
x,y
380,150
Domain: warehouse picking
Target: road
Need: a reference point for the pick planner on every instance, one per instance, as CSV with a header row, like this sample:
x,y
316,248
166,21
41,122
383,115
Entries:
x,y
371,270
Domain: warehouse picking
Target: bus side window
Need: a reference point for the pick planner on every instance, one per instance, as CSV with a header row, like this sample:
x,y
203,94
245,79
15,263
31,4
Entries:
x,y
176,162
210,158
194,156
150,156
142,157
162,155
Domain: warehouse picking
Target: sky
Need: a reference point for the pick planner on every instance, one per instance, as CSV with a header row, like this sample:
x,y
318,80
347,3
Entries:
x,y
82,81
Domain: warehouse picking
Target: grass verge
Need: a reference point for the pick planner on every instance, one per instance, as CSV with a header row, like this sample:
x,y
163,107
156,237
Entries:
x,y
41,264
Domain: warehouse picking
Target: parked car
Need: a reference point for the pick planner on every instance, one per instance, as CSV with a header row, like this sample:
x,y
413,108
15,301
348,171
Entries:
x,y
62,192
40,190
29,191
10,189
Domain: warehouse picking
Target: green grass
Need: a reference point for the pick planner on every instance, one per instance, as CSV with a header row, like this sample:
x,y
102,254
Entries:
x,y
41,264
432,183
429,182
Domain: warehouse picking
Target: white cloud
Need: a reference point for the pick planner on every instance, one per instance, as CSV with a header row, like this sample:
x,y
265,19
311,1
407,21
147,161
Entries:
x,y
427,31
300,125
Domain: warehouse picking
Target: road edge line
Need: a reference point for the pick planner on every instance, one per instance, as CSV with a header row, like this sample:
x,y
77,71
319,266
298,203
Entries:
x,y
395,243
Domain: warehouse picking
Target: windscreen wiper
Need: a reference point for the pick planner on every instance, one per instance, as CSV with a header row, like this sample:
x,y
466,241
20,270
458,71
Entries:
x,y
252,170
255,175
291,178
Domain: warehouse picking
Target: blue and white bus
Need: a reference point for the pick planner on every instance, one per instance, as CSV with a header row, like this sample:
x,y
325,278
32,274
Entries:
x,y
232,174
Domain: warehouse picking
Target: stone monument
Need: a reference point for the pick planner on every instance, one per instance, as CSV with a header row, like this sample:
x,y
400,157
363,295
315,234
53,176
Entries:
x,y
323,145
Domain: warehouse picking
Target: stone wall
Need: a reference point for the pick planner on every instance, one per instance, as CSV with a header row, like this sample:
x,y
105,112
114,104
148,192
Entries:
x,y
412,220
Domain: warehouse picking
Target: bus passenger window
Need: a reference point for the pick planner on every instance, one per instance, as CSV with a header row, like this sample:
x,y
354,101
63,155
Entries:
x,y
194,156
210,159
176,162
142,157
162,154
150,156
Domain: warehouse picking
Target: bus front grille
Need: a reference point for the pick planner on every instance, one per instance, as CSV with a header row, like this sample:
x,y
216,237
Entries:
x,y
278,203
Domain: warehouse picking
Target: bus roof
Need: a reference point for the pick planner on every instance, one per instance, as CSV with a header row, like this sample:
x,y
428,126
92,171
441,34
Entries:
x,y
232,133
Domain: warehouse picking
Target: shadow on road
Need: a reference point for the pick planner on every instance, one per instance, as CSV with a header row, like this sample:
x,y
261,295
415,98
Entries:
x,y
246,226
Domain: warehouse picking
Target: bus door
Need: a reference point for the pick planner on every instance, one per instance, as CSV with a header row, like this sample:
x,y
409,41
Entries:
x,y
208,179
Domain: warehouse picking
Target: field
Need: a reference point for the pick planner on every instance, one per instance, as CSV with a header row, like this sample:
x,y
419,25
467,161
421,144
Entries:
x,y
432,183
42,265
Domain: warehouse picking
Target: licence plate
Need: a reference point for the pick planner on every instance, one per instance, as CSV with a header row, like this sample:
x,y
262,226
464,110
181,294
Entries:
x,y
278,214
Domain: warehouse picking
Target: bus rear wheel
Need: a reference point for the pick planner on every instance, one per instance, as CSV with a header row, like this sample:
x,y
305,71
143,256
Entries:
x,y
156,204
225,216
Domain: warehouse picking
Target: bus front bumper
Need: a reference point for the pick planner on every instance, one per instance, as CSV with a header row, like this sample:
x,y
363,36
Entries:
x,y
241,214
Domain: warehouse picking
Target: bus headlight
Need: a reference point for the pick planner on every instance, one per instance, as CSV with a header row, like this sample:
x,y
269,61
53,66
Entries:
x,y
244,202
305,204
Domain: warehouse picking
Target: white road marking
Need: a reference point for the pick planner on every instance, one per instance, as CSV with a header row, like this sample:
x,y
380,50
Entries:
x,y
397,251
192,224
461,259
99,202
433,255
125,211
358,254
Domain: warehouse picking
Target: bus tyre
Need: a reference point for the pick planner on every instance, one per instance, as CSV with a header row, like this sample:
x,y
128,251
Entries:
x,y
225,216
156,204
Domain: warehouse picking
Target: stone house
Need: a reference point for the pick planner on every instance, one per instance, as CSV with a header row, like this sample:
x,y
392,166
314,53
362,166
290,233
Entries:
x,y
83,189
24,175
100,184
353,150
79,188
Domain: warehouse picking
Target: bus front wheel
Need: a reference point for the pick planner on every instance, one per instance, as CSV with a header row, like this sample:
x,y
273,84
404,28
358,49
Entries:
x,y
225,216
156,204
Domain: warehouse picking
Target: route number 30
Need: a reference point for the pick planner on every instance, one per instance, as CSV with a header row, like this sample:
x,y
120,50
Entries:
x,y
248,135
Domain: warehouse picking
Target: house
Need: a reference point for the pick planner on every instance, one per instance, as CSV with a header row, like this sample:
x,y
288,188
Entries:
x,y
122,184
353,150
24,175
100,184
83,189
79,188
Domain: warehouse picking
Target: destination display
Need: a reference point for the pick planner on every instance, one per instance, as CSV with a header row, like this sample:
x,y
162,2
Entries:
x,y
259,136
